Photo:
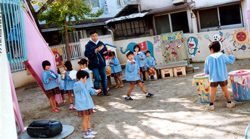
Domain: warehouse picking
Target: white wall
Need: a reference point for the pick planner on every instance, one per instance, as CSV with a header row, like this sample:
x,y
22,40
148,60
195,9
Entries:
x,y
209,3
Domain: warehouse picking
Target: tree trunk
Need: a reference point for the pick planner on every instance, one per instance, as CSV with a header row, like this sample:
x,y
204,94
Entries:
x,y
67,41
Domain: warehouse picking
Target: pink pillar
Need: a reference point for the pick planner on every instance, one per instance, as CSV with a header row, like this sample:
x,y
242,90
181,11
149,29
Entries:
x,y
248,15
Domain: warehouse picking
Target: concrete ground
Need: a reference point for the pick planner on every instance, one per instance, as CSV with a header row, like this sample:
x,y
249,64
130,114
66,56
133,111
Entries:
x,y
174,111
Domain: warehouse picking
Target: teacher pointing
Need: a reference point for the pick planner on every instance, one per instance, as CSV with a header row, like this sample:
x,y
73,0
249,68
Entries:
x,y
95,50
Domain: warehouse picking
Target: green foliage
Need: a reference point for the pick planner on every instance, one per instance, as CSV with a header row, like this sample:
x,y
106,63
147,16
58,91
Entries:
x,y
68,10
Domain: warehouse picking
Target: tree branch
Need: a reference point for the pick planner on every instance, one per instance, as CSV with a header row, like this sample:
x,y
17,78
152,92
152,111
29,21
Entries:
x,y
44,7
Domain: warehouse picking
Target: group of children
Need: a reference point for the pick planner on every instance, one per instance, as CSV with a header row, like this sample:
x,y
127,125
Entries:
x,y
82,86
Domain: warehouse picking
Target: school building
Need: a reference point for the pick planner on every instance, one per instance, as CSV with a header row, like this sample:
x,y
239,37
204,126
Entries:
x,y
169,29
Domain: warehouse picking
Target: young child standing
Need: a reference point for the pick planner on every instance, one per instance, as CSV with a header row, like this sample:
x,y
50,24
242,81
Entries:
x,y
50,85
150,65
68,83
116,70
61,82
83,63
139,57
132,72
215,67
84,102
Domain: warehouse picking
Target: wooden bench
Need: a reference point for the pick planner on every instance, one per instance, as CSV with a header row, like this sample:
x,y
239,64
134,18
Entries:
x,y
173,69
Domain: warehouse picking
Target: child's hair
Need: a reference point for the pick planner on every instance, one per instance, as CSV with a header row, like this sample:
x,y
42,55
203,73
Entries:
x,y
92,32
82,74
45,63
147,52
58,71
68,65
83,61
112,53
215,45
137,46
129,53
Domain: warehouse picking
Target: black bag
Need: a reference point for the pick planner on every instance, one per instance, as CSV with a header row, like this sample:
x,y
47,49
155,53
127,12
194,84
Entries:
x,y
44,128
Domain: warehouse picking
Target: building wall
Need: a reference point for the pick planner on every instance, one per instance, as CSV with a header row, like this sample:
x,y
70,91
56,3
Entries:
x,y
239,46
150,4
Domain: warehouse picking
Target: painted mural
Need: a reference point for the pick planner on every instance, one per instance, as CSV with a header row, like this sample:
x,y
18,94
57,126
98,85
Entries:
x,y
58,52
220,37
240,39
173,46
192,43
144,46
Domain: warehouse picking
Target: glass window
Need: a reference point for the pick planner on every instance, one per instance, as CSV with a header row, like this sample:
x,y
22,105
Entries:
x,y
209,18
162,24
180,22
230,15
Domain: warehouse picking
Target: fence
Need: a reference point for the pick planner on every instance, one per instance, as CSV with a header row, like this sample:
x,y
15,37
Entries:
x,y
14,33
75,50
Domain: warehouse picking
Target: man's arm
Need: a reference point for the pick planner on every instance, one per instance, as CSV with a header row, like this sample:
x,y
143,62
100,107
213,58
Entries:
x,y
88,51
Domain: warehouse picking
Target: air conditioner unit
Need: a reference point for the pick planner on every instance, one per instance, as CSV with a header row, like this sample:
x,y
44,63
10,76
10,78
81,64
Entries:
x,y
177,2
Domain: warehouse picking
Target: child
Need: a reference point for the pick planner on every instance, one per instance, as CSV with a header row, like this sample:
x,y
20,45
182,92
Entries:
x,y
68,84
215,67
84,102
83,63
61,82
132,72
116,70
139,57
150,66
50,85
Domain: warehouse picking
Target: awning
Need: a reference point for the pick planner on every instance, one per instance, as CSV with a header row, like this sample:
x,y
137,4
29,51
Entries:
x,y
135,15
169,9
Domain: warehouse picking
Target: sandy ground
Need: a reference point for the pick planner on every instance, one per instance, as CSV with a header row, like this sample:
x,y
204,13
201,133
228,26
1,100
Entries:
x,y
174,111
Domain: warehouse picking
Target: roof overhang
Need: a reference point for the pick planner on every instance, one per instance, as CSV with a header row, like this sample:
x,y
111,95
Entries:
x,y
135,15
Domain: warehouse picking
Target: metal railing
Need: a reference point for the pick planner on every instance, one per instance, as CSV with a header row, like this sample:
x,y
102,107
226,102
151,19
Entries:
x,y
14,31
75,50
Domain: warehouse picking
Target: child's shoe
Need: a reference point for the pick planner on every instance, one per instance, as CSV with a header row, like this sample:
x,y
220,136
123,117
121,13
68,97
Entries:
x,y
210,107
230,105
74,108
92,132
58,109
154,78
149,95
54,110
128,98
64,101
88,136
149,78
71,107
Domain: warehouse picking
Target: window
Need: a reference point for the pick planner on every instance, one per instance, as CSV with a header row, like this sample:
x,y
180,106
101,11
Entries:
x,y
180,22
224,16
130,29
171,22
94,3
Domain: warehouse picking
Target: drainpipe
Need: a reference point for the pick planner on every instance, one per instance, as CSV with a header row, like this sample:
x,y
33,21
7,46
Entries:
x,y
110,30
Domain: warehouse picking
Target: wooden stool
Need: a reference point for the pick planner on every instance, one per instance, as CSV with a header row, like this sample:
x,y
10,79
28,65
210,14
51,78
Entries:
x,y
146,75
166,73
180,71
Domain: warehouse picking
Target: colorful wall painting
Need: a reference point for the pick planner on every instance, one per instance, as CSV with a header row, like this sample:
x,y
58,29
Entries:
x,y
240,39
220,38
192,43
144,46
173,46
58,52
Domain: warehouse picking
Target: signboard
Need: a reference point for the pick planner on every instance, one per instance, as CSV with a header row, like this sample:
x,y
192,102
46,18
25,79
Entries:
x,y
59,57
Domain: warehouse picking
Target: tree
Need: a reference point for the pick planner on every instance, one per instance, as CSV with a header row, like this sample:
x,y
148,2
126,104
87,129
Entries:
x,y
43,5
62,12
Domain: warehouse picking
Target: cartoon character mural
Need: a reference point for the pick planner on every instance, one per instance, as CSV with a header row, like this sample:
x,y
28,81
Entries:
x,y
220,38
144,46
240,39
192,44
58,56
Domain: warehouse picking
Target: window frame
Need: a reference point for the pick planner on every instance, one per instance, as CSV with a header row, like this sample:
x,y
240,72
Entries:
x,y
219,20
170,21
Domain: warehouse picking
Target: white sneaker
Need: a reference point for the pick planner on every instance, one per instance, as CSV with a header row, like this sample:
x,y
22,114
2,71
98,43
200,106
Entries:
x,y
92,132
230,105
88,136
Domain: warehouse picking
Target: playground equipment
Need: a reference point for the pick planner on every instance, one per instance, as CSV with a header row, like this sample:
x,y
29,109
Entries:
x,y
20,41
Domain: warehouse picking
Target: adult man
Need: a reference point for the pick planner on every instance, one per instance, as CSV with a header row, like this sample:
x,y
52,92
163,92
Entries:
x,y
95,50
